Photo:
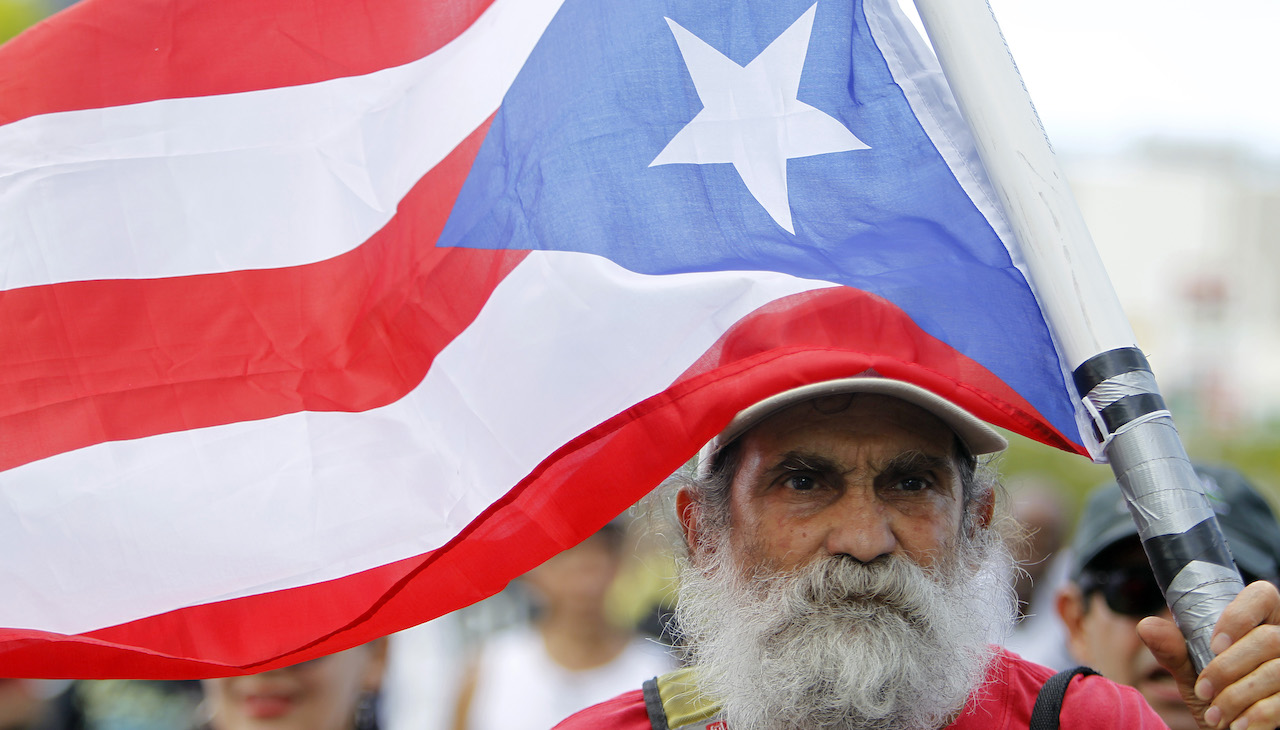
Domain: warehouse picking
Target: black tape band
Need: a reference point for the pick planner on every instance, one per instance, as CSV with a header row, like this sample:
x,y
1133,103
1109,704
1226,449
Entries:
x,y
1169,554
1130,407
1107,365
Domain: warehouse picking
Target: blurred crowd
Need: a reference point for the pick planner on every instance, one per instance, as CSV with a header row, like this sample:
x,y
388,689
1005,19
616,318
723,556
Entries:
x,y
593,622
568,634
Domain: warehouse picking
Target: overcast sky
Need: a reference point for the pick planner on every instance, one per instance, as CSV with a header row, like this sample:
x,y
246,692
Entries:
x,y
1102,72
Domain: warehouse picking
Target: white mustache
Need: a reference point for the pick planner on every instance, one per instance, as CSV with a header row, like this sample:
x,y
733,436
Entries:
x,y
891,580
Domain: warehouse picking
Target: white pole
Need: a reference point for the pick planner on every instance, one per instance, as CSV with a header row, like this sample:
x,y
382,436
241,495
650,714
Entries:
x,y
1061,262
1178,528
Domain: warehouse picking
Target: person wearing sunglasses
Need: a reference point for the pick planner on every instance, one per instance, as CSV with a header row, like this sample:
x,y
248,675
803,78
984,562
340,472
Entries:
x,y
1112,587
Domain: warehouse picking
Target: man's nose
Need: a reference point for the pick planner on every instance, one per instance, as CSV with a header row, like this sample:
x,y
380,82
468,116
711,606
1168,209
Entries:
x,y
860,527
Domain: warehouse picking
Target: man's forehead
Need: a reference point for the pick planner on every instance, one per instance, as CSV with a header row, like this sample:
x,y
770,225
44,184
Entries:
x,y
856,419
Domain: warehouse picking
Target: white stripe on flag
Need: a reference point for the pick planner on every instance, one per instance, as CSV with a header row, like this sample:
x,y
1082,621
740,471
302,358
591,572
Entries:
x,y
193,517
256,180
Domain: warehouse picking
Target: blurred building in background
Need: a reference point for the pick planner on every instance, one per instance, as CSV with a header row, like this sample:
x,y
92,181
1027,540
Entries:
x,y
1190,233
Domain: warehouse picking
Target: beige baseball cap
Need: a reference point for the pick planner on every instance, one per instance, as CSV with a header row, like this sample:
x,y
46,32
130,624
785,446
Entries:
x,y
976,435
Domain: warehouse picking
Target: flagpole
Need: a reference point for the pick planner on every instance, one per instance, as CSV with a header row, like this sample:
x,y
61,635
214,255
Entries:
x,y
1133,428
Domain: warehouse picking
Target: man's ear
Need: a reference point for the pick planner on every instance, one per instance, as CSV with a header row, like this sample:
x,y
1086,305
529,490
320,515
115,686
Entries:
x,y
983,509
688,511
1071,609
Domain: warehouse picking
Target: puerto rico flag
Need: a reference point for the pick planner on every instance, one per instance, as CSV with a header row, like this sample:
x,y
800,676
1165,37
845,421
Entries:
x,y
321,319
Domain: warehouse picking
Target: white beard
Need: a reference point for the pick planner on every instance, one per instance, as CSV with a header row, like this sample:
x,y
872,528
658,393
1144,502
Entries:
x,y
841,644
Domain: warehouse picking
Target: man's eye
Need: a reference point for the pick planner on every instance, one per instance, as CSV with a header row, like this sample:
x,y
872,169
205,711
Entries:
x,y
800,482
913,484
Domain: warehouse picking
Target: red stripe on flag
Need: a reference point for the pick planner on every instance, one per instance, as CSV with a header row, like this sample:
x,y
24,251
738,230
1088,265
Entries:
x,y
102,53
808,337
88,362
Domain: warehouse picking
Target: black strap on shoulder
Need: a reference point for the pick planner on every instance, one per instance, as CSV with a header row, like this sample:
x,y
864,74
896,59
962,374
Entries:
x,y
653,704
1044,716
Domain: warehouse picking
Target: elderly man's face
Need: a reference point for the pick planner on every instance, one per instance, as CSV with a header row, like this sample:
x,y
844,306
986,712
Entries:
x,y
862,476
842,591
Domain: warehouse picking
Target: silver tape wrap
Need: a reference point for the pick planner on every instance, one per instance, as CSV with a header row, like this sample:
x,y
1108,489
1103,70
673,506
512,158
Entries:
x,y
1167,501
1175,521
1118,386
1111,394
1165,495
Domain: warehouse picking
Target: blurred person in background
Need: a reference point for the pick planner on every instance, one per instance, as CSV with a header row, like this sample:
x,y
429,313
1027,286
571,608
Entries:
x,y
421,681
1112,588
120,704
572,656
423,677
23,702
335,692
1037,506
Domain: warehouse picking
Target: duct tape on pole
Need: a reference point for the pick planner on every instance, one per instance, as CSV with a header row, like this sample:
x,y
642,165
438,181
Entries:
x,y
1123,409
1179,530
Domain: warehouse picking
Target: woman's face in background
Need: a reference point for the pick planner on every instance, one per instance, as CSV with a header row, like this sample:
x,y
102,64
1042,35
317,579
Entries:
x,y
321,694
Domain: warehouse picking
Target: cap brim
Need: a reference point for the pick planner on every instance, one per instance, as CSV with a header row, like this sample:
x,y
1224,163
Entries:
x,y
976,435
1121,530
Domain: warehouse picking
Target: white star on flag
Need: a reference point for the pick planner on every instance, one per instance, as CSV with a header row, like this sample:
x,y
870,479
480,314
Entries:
x,y
752,118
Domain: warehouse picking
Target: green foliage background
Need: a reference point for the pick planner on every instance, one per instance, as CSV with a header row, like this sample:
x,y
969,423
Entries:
x,y
1254,452
16,15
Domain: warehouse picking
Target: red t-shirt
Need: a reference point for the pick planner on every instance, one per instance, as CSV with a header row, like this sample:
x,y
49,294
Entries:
x,y
624,711
1004,702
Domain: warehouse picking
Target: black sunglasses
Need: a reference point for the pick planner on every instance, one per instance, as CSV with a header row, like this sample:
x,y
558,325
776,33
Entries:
x,y
1129,591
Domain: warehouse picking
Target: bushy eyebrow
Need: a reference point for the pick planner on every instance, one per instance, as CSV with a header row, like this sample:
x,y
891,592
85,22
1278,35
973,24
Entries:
x,y
914,461
808,461
907,462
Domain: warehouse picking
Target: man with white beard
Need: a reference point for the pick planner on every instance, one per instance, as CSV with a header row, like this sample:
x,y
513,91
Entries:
x,y
842,573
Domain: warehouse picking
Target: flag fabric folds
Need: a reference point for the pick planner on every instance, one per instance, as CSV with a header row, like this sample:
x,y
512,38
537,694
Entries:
x,y
322,319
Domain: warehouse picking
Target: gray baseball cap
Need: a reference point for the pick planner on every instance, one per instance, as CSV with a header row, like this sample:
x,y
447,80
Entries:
x,y
1245,518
